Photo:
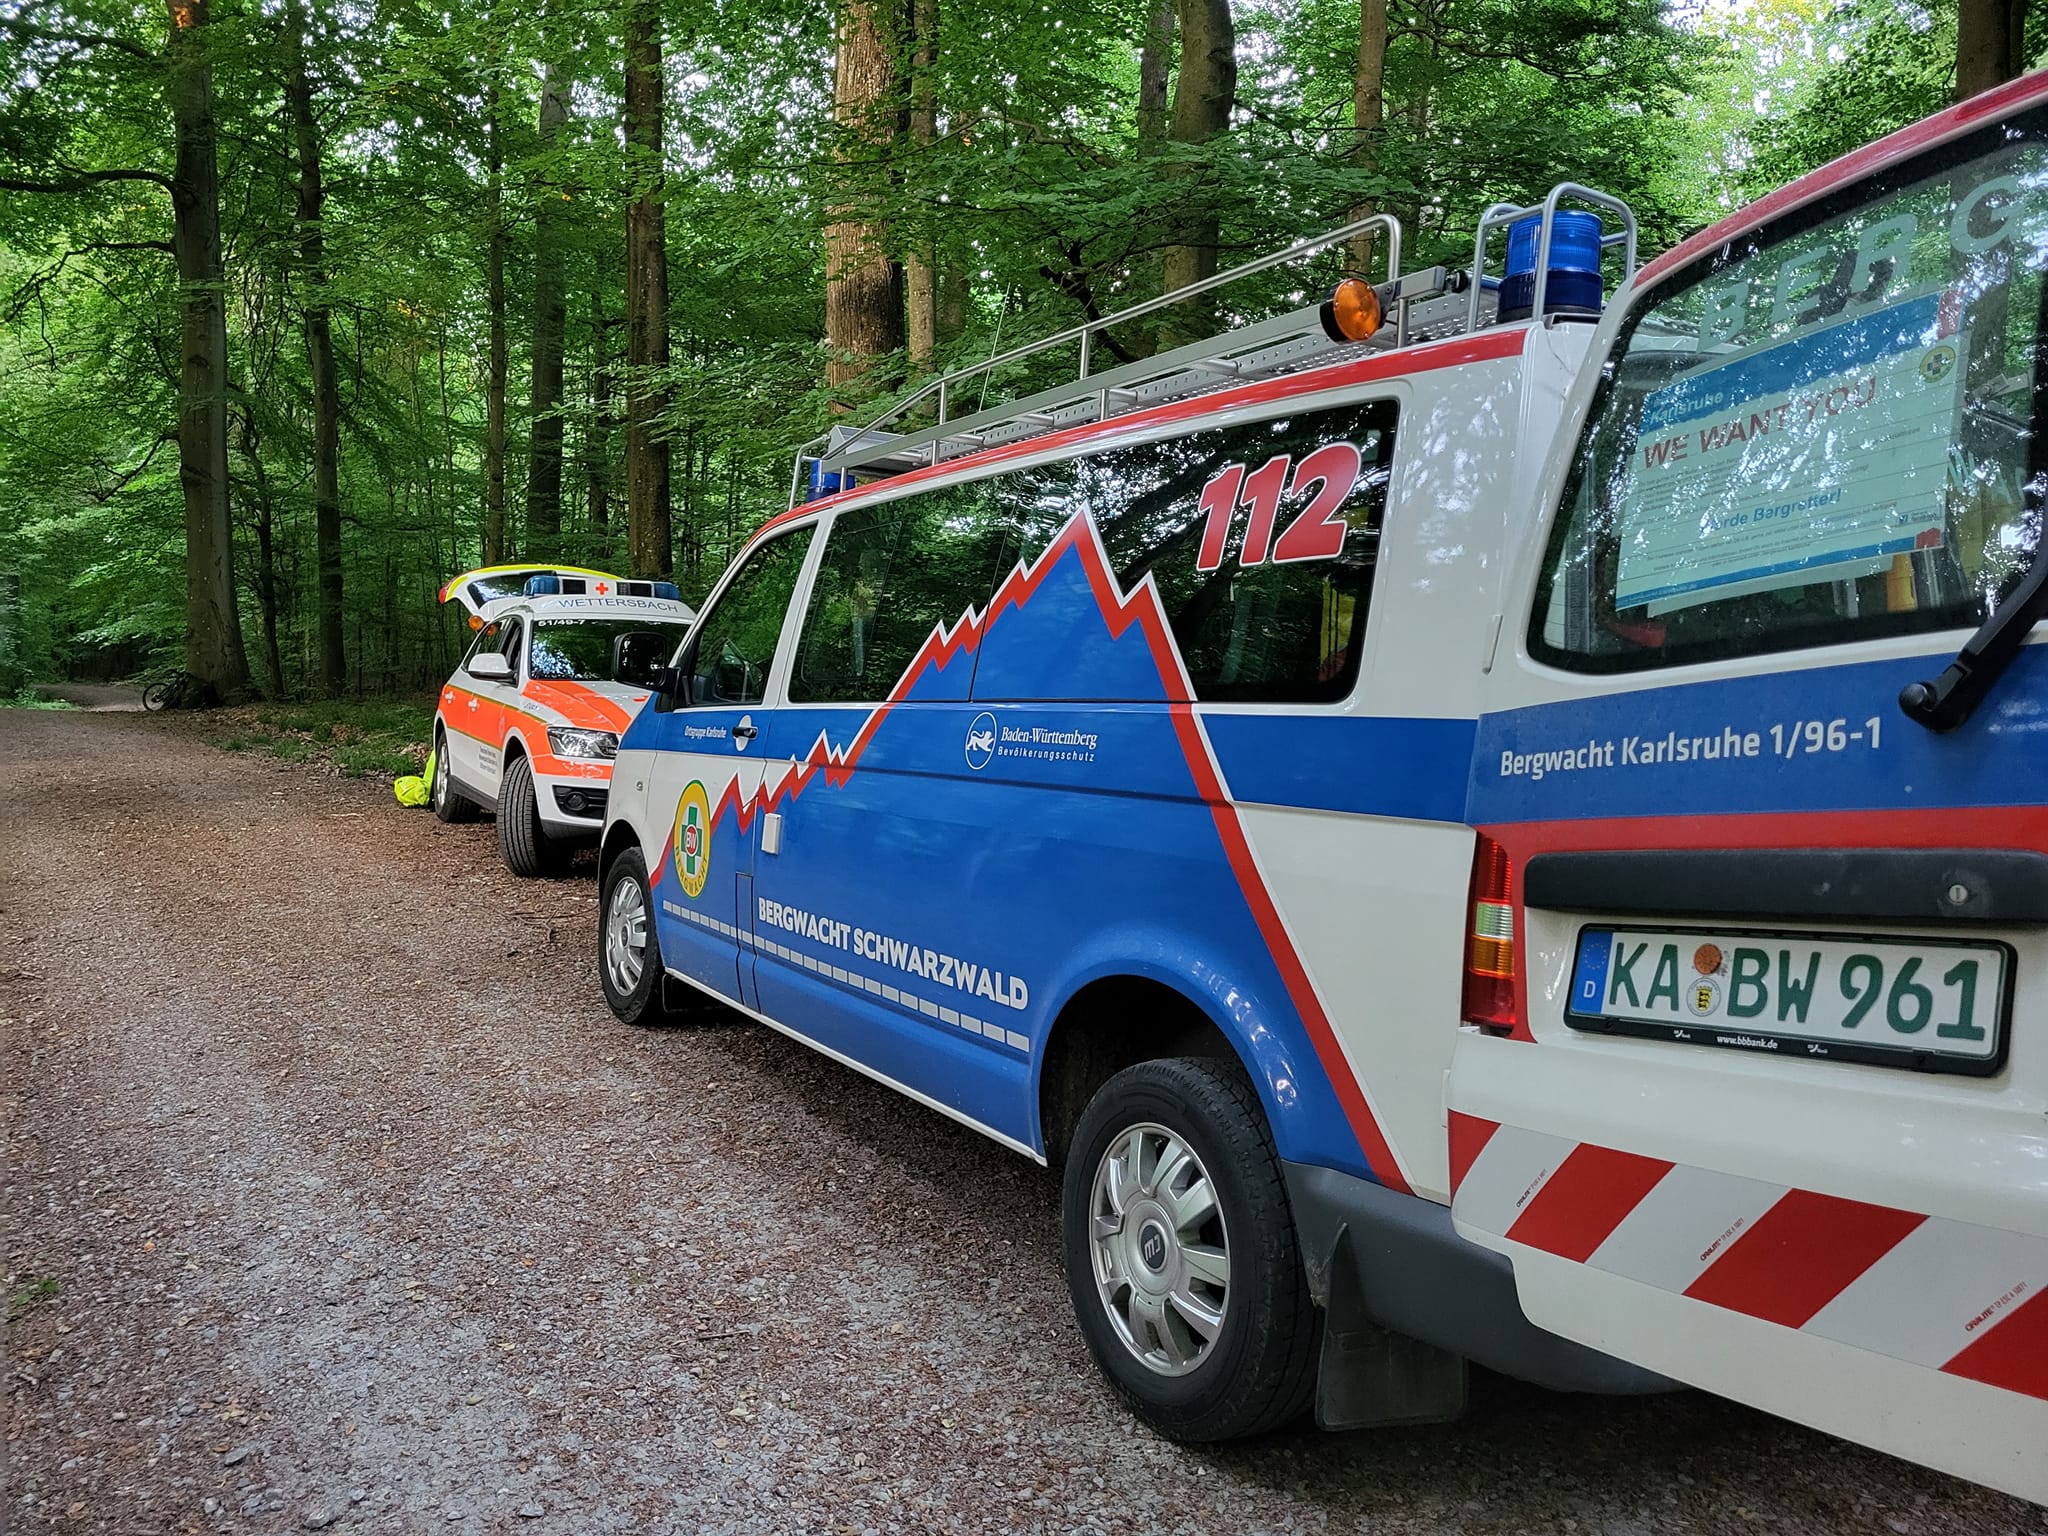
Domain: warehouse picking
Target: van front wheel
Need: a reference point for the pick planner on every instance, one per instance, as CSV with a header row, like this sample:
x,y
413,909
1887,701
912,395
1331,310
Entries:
x,y
628,952
1180,1253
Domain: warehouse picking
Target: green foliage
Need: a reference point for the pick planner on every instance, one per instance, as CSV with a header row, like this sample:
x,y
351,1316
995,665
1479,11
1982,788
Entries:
x,y
1033,198
356,737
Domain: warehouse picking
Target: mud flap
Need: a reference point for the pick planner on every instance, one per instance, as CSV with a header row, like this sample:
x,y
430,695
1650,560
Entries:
x,y
1369,1376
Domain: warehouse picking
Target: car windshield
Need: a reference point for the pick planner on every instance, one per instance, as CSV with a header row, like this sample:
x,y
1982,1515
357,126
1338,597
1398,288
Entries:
x,y
601,650
1824,432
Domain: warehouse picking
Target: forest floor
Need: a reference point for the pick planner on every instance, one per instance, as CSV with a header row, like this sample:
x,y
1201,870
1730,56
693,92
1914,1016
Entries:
x,y
333,1196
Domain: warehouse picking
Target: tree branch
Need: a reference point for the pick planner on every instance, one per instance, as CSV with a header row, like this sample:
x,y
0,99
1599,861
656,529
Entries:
x,y
78,181
121,484
29,32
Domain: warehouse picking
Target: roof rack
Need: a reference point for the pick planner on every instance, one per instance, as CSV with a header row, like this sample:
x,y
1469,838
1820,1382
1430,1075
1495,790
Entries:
x,y
1424,306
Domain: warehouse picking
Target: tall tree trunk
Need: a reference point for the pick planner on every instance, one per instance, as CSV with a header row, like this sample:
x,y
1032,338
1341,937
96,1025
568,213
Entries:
x,y
597,442
1990,44
863,306
920,267
953,294
213,630
649,548
496,550
266,552
320,360
1201,112
550,317
1155,64
1368,111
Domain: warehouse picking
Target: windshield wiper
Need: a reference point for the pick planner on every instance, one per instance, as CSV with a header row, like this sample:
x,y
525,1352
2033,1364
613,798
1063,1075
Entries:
x,y
1950,699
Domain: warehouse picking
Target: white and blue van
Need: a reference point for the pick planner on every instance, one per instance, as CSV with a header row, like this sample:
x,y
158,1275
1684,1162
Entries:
x,y
1468,829
1094,772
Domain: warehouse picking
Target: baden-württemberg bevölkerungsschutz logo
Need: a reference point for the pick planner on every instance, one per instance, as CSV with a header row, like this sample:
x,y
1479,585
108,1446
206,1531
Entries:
x,y
693,840
981,740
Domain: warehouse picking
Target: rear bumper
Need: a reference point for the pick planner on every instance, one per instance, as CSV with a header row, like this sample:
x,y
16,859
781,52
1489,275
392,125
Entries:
x,y
1377,1257
1860,1249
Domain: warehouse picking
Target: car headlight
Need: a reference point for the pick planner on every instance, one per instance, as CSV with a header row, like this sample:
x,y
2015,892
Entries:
x,y
570,741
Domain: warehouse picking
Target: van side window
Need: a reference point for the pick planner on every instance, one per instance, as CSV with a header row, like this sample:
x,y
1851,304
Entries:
x,y
734,644
1262,540
890,575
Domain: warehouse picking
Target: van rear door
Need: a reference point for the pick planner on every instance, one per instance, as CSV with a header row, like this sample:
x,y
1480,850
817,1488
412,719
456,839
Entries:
x,y
1770,1111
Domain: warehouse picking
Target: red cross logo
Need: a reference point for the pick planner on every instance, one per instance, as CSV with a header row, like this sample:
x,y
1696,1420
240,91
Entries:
x,y
602,589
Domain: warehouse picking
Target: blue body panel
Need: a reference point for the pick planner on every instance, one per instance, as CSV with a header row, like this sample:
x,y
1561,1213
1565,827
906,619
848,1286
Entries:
x,y
1705,749
934,904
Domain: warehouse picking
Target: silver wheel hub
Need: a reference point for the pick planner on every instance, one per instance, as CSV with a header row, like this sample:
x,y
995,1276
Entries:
x,y
1160,1252
625,937
439,788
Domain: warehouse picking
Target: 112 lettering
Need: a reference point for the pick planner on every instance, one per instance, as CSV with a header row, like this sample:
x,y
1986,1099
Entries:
x,y
1316,532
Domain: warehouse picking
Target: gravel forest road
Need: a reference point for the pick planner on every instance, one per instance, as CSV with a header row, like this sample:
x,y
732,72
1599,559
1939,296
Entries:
x,y
335,1197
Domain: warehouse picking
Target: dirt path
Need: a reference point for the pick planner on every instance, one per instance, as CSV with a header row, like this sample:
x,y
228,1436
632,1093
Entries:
x,y
333,1195
102,698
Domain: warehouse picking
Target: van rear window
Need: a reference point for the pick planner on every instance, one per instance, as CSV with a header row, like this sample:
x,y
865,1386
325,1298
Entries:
x,y
1824,433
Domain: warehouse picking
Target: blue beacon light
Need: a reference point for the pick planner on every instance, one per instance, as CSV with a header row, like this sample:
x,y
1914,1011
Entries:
x,y
1574,287
827,482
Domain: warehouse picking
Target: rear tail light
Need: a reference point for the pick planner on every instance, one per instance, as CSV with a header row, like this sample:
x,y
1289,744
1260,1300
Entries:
x,y
1490,945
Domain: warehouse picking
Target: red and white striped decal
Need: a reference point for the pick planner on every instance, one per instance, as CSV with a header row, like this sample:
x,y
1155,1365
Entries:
x,y
1945,1295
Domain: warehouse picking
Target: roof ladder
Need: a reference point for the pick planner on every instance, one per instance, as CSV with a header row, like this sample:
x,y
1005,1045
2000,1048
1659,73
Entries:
x,y
1426,305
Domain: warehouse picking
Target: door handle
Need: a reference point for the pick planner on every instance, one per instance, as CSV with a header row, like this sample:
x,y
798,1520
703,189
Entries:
x,y
746,732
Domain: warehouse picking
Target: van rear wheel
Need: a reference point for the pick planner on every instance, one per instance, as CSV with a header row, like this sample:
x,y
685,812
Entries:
x,y
1180,1253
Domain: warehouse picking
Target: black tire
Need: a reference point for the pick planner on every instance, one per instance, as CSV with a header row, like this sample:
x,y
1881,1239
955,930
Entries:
x,y
522,840
1259,1369
450,803
645,1001
156,695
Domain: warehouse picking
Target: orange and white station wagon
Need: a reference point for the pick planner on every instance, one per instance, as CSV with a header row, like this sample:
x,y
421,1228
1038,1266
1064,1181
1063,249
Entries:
x,y
530,721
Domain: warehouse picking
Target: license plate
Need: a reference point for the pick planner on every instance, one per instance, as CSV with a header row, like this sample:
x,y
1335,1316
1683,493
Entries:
x,y
1937,1007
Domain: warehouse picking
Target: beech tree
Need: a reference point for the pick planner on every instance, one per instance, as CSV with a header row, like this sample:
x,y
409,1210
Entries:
x,y
863,298
649,537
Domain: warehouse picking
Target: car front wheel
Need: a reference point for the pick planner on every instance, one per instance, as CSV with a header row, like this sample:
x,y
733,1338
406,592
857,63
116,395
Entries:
x,y
524,842
1180,1252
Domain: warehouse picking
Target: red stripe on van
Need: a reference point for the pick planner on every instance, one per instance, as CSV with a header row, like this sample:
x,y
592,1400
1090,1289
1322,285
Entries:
x,y
2012,1354
1585,1200
1479,347
1379,1152
1469,1136
1800,1255
1140,607
1910,140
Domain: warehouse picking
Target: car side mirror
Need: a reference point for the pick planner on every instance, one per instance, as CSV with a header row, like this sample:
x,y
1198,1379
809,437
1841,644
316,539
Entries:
x,y
491,666
638,654
671,687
